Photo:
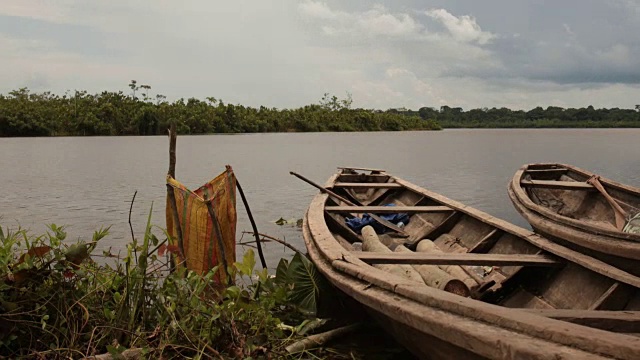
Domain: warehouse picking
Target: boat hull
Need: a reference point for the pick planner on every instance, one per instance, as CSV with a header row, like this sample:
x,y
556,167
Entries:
x,y
616,248
435,324
625,258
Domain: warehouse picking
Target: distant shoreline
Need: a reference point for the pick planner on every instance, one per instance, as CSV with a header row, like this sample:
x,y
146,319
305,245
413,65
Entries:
x,y
27,114
339,132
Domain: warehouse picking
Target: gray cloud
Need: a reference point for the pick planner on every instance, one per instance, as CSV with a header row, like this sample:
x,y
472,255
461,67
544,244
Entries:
x,y
288,53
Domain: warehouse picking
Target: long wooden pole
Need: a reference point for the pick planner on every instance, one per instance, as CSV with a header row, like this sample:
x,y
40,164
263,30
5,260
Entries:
x,y
331,193
253,225
172,198
173,137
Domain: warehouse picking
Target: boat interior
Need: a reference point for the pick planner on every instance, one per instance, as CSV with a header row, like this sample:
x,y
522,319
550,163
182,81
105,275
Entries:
x,y
566,192
504,268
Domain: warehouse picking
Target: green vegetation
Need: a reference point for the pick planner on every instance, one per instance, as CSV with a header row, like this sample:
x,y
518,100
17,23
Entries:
x,y
551,117
57,302
23,113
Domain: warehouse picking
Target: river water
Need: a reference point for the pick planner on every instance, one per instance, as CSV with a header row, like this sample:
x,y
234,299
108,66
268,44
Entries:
x,y
88,182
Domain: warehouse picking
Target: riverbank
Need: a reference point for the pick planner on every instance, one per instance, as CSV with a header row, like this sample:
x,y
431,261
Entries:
x,y
25,113
56,301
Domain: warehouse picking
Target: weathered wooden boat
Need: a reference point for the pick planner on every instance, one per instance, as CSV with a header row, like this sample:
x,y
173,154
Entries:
x,y
561,203
529,298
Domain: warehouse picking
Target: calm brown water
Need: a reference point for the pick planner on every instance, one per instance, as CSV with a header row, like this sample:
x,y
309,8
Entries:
x,y
88,182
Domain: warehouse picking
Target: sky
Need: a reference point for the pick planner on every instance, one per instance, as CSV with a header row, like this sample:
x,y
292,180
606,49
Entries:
x,y
286,53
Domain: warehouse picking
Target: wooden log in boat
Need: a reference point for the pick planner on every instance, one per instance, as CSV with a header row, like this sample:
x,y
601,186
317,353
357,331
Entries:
x,y
505,321
428,246
438,278
370,242
560,204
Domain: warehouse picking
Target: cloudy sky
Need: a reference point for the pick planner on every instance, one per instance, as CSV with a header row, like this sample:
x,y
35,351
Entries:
x,y
467,53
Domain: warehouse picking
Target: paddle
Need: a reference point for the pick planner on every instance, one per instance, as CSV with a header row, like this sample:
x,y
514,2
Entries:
x,y
618,211
331,193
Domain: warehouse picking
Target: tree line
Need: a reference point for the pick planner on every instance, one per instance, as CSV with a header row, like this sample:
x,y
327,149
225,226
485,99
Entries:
x,y
26,113
551,117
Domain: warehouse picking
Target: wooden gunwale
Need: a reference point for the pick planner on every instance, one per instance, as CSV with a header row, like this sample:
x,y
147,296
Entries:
x,y
617,321
524,199
622,248
458,330
387,209
555,331
456,259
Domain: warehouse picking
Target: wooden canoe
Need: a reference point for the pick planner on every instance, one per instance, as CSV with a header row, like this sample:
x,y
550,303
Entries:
x,y
559,204
534,298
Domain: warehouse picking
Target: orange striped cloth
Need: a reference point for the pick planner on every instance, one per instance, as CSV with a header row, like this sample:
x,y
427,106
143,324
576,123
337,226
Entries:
x,y
206,242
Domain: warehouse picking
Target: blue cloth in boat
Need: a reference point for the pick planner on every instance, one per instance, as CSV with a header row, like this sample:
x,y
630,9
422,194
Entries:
x,y
356,224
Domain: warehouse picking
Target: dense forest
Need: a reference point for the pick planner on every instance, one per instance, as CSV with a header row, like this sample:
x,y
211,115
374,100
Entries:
x,y
551,117
24,113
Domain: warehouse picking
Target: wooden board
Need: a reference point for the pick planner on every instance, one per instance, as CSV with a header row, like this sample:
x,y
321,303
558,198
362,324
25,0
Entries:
x,y
387,209
367,185
364,178
618,321
547,171
359,168
552,184
457,259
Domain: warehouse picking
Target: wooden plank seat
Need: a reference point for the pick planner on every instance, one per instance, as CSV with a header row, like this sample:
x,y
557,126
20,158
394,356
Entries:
x,y
456,259
552,184
548,171
360,168
346,185
387,209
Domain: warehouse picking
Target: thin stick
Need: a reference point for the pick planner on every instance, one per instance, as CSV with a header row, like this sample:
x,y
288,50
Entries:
x,y
172,197
270,238
216,226
133,238
172,149
331,193
253,224
322,189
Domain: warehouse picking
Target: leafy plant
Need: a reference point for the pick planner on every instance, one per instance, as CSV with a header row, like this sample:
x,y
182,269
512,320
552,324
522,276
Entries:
x,y
26,113
56,301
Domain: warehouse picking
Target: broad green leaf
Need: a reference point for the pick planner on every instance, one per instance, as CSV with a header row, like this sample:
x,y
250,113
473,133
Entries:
x,y
247,264
306,283
282,276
